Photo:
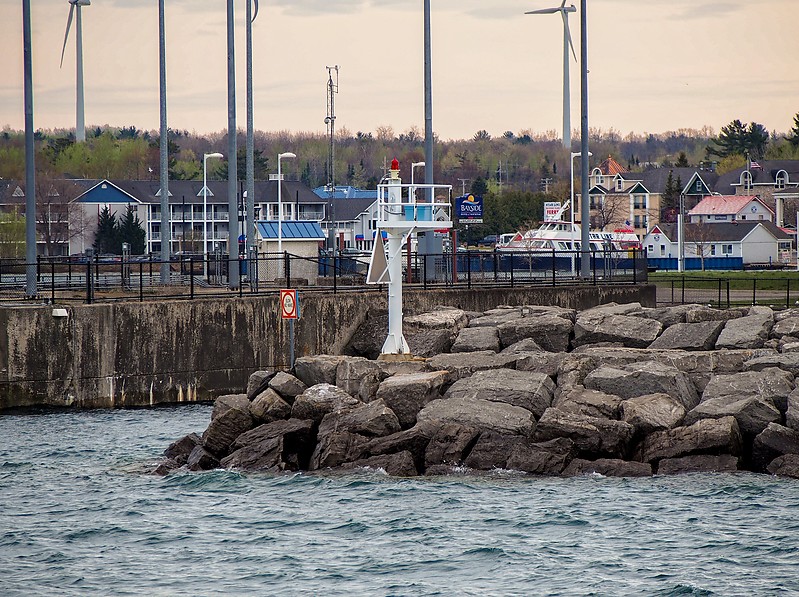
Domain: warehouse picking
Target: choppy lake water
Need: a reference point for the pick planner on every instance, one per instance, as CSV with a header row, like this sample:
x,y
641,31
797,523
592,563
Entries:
x,y
78,516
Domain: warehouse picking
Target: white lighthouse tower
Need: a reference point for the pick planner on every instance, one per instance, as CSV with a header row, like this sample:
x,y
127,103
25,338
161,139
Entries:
x,y
401,213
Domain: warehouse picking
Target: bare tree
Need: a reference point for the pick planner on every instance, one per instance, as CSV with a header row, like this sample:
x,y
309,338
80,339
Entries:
x,y
58,219
701,235
606,211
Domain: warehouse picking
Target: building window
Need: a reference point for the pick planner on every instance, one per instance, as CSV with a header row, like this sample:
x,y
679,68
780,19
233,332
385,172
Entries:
x,y
781,180
637,221
619,184
650,248
743,216
746,180
698,186
662,250
712,250
726,249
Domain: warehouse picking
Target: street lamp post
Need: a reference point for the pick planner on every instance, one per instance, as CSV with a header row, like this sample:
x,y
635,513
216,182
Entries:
x,y
205,208
571,205
280,156
414,165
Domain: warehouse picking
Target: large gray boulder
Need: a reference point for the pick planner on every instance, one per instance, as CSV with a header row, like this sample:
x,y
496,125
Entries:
x,y
633,332
609,309
526,345
746,332
334,449
492,450
640,379
572,372
785,466
444,318
787,362
708,436
608,467
775,440
531,391
753,413
652,412
226,427
201,459
543,458
667,316
274,447
414,440
702,313
400,464
549,331
369,420
268,406
792,411
315,402
406,395
773,385
225,403
786,327
464,364
483,414
360,377
547,363
317,369
699,463
179,450
288,386
579,400
592,435
477,339
496,317
257,382
428,343
449,444
689,336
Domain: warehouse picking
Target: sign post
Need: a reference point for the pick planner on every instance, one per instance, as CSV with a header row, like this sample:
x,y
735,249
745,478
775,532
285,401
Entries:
x,y
290,309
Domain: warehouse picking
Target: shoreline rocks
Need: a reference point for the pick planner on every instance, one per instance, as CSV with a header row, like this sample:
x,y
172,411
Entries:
x,y
617,390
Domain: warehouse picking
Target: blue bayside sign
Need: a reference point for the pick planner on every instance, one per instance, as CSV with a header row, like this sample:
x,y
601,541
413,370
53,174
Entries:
x,y
469,209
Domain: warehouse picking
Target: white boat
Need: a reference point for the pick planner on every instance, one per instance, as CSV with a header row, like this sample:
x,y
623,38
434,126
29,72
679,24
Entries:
x,y
560,235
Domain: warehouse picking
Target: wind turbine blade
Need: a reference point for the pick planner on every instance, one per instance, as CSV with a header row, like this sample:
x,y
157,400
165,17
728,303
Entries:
x,y
255,15
66,35
543,11
567,32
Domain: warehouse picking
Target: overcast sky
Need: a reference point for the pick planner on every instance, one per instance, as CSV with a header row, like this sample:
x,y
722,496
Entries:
x,y
654,66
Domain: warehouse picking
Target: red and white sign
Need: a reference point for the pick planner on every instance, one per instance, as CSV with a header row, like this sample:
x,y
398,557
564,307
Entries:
x,y
552,211
289,304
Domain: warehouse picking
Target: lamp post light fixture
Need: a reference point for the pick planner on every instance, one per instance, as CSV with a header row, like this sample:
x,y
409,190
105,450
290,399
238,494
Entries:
x,y
571,205
414,165
280,156
205,208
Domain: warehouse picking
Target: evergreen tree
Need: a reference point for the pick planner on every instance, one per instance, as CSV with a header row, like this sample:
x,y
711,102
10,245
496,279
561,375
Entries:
x,y
479,187
106,239
794,137
682,161
131,231
737,138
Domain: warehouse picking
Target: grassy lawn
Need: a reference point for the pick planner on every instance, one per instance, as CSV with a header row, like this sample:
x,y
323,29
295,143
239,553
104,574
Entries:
x,y
764,280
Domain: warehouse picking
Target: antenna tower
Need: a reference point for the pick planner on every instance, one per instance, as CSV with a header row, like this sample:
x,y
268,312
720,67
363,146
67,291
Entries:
x,y
330,121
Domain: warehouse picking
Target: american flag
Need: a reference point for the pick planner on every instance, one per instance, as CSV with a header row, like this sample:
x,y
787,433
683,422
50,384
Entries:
x,y
753,165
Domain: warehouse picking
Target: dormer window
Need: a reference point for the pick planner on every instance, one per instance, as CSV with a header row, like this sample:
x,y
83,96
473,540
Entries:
x,y
746,180
781,180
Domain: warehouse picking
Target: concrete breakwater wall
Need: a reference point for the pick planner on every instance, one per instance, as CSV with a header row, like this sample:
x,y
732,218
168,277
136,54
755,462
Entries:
x,y
139,354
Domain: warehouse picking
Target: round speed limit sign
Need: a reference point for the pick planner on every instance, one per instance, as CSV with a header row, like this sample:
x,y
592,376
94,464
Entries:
x,y
289,307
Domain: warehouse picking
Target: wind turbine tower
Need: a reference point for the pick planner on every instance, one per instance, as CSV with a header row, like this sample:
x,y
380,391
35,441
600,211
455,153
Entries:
x,y
75,8
567,43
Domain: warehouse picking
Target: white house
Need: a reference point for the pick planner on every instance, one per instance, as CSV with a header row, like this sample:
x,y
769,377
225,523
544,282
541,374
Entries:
x,y
725,245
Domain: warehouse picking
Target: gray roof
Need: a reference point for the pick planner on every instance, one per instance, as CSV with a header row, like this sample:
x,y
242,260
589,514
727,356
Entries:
x,y
767,174
348,210
722,231
655,179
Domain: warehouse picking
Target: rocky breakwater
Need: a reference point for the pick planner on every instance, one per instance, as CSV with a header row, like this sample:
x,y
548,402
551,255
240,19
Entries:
x,y
618,390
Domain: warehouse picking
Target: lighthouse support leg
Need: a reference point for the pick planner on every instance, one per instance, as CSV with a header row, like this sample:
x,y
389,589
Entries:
x,y
395,342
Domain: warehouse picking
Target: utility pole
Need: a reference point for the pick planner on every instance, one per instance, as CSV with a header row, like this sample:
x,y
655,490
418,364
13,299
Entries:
x,y
232,154
585,266
330,121
463,182
30,166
